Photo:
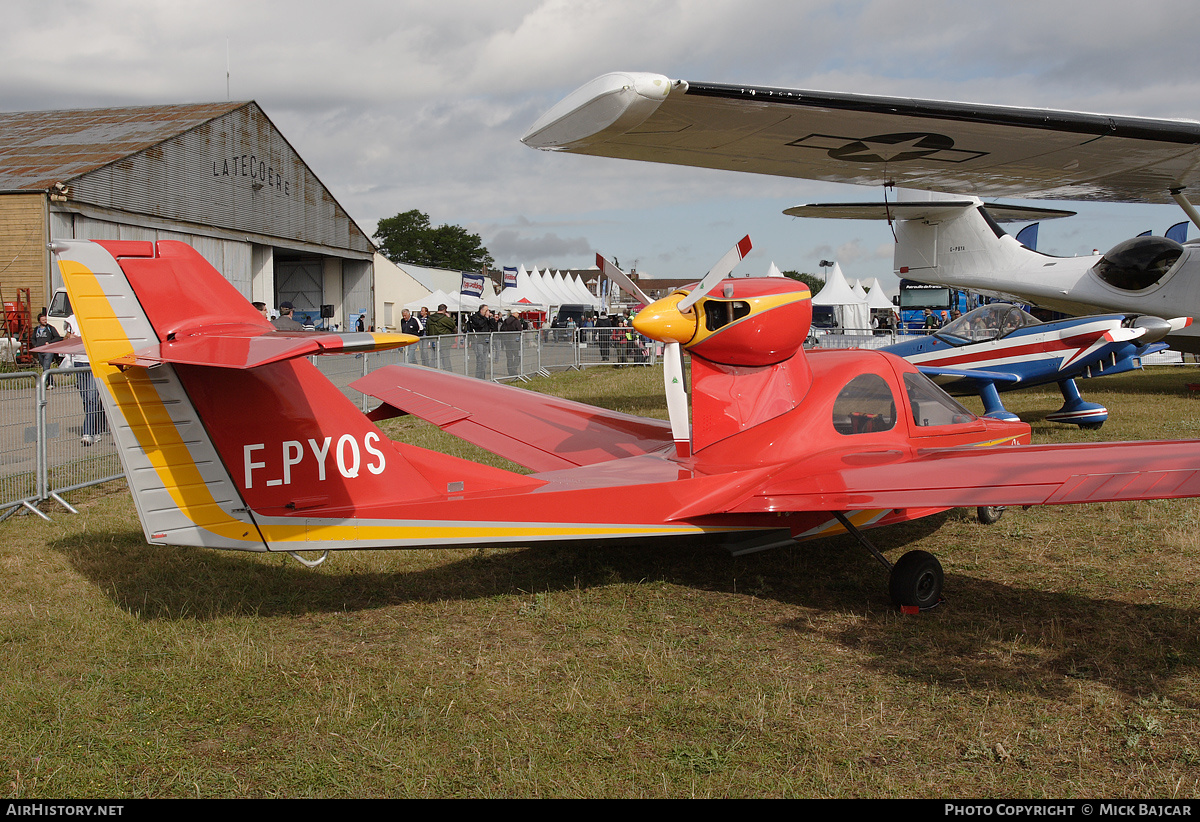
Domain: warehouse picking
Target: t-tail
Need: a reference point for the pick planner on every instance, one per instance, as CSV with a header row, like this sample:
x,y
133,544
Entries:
x,y
230,437
951,240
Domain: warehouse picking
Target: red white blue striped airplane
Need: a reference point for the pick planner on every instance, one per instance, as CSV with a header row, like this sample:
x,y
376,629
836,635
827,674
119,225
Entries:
x,y
1001,347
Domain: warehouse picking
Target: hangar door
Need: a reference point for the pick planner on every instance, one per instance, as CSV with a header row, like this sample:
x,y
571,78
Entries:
x,y
300,282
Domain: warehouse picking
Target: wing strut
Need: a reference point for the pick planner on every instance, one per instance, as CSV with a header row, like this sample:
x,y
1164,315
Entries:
x,y
1188,208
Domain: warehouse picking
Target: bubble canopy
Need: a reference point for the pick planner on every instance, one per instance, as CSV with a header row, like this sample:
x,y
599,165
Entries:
x,y
1137,264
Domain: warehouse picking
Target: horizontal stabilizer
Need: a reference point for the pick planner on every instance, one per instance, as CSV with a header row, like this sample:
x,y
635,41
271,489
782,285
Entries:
x,y
922,210
541,432
250,346
71,345
975,375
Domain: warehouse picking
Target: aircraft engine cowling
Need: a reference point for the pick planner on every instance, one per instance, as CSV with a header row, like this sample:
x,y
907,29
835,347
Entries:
x,y
747,322
746,339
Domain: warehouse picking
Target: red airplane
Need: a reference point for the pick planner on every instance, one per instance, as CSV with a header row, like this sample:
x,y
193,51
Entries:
x,y
231,438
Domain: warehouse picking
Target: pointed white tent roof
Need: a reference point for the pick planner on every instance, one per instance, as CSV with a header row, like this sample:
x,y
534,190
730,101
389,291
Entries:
x,y
524,295
555,282
432,301
876,298
852,311
773,270
585,296
560,288
538,285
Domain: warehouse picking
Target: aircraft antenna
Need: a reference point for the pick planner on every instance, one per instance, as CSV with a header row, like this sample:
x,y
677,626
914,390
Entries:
x,y
888,210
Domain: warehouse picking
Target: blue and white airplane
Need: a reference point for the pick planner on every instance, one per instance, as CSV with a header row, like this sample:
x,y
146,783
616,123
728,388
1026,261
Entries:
x,y
1000,347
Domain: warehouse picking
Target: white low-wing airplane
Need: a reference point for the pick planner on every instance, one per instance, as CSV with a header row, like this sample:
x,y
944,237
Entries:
x,y
965,149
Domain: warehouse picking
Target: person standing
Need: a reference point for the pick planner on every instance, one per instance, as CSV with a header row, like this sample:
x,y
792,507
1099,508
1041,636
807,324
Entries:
x,y
481,325
512,328
440,324
285,321
94,422
44,334
423,319
410,325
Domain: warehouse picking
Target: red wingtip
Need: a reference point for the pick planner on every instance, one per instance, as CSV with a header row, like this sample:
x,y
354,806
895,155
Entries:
x,y
599,261
744,245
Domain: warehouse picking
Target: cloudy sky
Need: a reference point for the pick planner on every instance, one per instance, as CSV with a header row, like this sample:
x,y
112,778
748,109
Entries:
x,y
399,105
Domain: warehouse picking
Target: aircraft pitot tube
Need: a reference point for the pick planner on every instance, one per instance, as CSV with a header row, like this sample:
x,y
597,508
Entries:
x,y
745,337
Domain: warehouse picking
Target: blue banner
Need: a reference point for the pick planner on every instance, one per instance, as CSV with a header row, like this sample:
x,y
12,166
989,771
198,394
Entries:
x,y
472,284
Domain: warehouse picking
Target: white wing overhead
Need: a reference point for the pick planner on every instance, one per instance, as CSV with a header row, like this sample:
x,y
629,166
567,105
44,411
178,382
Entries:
x,y
995,151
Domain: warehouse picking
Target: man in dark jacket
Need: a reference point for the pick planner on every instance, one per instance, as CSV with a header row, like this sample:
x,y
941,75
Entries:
x,y
44,334
481,325
512,328
440,324
410,325
285,321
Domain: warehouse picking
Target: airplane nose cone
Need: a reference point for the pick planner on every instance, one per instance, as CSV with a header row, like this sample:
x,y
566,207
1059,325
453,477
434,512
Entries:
x,y
663,321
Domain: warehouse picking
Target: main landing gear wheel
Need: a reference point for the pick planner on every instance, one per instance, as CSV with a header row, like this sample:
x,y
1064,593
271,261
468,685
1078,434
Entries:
x,y
989,514
916,580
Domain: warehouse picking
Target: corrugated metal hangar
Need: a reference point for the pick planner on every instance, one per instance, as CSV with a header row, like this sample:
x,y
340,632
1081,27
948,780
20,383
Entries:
x,y
218,176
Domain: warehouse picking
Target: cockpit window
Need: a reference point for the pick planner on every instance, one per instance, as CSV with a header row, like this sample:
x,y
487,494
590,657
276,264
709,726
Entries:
x,y
1139,263
864,406
718,313
931,405
988,322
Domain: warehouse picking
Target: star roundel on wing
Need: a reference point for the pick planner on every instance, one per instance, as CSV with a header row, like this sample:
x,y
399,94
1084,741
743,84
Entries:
x,y
889,148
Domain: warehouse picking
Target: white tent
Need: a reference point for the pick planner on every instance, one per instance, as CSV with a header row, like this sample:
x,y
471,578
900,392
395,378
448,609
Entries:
x,y
432,301
774,271
581,290
536,289
525,294
560,288
876,299
851,312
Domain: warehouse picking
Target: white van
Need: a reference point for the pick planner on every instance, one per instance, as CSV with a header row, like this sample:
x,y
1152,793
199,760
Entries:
x,y
59,310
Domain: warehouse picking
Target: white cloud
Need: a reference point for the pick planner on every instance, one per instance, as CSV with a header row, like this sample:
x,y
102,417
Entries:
x,y
400,105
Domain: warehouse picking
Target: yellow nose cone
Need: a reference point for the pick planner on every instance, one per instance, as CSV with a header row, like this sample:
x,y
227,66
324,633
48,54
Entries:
x,y
663,321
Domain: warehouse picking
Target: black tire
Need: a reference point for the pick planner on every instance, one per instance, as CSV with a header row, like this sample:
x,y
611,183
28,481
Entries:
x,y
989,514
916,580
1090,426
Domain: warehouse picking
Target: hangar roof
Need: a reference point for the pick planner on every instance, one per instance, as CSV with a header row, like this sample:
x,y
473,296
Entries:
x,y
41,148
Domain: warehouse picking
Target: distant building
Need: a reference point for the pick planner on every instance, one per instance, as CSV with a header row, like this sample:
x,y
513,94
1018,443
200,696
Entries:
x,y
217,176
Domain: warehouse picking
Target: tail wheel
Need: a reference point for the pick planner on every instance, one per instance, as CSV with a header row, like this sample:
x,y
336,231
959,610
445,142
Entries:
x,y
916,580
989,514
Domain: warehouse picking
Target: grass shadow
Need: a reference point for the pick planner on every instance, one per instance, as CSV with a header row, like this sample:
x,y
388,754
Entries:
x,y
987,634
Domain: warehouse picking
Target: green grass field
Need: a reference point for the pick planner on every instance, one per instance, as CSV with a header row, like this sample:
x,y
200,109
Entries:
x,y
1065,663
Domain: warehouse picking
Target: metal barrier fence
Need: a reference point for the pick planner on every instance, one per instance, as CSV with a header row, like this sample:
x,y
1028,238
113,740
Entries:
x,y
54,436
